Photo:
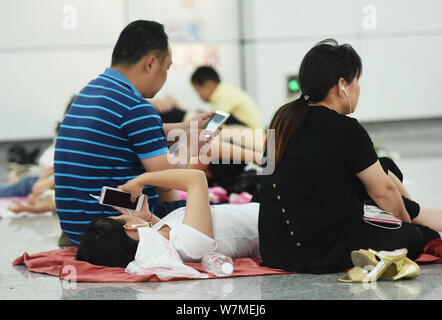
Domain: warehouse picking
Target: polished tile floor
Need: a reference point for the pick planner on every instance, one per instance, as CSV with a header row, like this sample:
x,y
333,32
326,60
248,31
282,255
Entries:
x,y
418,152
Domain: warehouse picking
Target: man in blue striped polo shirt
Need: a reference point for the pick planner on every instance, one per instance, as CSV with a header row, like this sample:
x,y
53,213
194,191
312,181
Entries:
x,y
111,133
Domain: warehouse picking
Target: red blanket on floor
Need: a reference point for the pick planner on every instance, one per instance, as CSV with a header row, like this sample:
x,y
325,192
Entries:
x,y
62,263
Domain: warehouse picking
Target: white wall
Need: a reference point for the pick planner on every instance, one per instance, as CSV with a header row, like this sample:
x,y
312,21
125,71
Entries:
x,y
402,69
50,49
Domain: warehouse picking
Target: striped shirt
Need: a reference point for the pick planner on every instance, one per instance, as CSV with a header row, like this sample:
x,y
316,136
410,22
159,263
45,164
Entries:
x,y
108,128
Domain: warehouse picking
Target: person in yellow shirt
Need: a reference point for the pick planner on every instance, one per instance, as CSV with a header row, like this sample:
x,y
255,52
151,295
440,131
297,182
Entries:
x,y
225,97
244,115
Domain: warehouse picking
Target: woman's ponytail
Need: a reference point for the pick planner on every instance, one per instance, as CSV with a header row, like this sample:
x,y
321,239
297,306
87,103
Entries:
x,y
286,122
320,70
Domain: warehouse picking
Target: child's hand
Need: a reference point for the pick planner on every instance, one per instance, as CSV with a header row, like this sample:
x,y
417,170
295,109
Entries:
x,y
144,213
133,187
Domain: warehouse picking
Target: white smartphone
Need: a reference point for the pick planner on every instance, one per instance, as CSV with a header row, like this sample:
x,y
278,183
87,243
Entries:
x,y
117,198
216,120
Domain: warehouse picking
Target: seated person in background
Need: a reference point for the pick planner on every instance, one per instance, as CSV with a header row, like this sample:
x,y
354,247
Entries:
x,y
18,186
21,184
30,186
35,182
171,112
42,197
235,142
221,96
225,97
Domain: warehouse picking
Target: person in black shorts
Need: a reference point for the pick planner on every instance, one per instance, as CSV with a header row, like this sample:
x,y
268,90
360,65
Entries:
x,y
311,208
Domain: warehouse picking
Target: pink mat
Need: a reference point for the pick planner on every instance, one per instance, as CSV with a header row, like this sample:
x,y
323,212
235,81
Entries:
x,y
61,263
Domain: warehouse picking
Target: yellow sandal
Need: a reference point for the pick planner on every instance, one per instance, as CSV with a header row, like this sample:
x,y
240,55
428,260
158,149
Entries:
x,y
368,268
410,269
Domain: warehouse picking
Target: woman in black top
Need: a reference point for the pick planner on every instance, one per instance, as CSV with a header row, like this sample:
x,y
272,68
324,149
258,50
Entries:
x,y
326,167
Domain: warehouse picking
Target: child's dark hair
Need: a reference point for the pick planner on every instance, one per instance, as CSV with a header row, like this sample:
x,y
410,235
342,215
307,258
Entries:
x,y
105,243
320,70
203,74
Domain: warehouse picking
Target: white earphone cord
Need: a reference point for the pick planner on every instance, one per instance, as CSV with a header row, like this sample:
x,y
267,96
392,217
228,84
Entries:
x,y
399,225
348,97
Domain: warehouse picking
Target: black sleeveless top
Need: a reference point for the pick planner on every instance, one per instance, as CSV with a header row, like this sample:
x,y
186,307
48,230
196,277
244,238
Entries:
x,y
311,208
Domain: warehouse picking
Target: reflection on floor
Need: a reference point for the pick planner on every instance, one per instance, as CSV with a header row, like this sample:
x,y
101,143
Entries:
x,y
418,152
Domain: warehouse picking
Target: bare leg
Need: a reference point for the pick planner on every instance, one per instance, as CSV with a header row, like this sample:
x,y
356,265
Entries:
x,y
220,150
430,217
244,137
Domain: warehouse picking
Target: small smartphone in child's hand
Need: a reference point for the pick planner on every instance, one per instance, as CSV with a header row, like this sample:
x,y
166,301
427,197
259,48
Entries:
x,y
117,198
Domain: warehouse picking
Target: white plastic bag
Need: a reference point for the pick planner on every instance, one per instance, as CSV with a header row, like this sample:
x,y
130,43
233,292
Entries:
x,y
156,255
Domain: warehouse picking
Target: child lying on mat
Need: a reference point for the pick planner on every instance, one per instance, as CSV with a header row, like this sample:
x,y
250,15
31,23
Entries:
x,y
193,231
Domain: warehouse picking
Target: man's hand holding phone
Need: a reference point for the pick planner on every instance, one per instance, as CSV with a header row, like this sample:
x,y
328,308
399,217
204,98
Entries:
x,y
201,118
209,126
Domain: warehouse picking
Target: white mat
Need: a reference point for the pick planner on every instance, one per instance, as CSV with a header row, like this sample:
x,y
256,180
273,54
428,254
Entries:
x,y
6,213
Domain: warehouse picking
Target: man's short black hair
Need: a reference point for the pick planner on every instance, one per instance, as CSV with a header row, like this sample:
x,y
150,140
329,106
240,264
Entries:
x,y
204,73
138,39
